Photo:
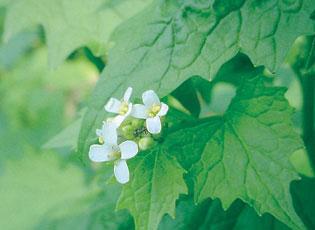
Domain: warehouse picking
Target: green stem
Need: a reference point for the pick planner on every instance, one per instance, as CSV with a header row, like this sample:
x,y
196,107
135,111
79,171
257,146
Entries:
x,y
308,83
307,79
310,55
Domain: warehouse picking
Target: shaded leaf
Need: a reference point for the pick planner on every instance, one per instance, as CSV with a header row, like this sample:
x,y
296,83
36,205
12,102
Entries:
x,y
248,155
79,23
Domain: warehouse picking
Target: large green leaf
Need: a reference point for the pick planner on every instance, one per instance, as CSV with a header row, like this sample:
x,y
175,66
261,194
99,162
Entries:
x,y
303,195
156,182
186,94
207,215
70,24
174,40
171,41
210,215
247,157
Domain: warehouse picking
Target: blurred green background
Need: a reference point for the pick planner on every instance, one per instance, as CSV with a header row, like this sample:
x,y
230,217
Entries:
x,y
43,186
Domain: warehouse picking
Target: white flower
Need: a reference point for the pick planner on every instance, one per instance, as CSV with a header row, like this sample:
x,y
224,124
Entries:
x,y
107,127
152,110
109,150
121,107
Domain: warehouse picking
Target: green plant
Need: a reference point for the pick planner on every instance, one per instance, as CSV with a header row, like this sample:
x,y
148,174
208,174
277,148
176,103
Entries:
x,y
231,137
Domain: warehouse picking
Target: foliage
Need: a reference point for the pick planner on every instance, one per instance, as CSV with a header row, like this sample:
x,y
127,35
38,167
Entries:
x,y
237,147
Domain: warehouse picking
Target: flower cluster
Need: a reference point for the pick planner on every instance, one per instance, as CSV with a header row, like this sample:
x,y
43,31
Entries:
x,y
121,136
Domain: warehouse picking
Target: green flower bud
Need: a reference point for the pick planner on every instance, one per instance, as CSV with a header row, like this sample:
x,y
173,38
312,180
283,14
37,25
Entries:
x,y
145,143
136,123
126,122
127,131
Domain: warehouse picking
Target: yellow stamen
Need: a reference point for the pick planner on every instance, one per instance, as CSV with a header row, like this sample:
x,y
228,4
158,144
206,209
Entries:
x,y
115,155
155,109
123,108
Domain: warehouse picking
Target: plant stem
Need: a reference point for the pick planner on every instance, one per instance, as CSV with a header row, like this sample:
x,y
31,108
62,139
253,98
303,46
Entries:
x,y
307,79
308,83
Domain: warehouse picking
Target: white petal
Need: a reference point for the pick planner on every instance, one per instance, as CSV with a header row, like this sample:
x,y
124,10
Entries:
x,y
128,149
127,94
129,109
139,111
149,98
153,124
121,171
113,105
163,110
109,132
99,132
99,153
118,120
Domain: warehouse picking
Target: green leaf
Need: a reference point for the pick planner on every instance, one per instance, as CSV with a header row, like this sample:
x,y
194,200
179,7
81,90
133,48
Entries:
x,y
16,47
170,41
248,219
155,184
221,96
79,23
207,215
156,176
302,163
203,87
68,137
174,40
303,195
247,157
188,142
210,215
188,215
186,94
302,192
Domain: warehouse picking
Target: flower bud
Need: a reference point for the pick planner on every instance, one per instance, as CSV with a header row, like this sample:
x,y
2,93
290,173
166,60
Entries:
x,y
127,131
145,143
136,123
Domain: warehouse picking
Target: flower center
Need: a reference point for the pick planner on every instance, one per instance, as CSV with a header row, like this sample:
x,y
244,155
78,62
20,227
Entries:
x,y
124,107
115,155
154,110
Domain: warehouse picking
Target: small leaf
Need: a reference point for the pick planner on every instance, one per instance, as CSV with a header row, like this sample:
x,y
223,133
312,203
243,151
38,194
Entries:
x,y
247,157
155,184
